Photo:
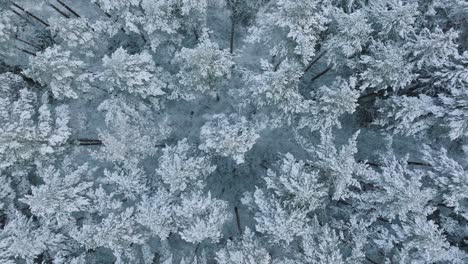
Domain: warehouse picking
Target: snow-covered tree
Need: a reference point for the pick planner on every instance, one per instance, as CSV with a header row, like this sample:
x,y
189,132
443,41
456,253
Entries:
x,y
339,166
7,194
394,18
276,219
29,126
322,244
386,67
136,74
200,217
399,192
409,115
416,115
117,232
23,239
203,68
329,104
229,136
128,135
61,194
353,34
433,48
422,241
7,31
203,131
82,36
276,88
301,24
449,176
297,182
180,167
157,214
158,21
247,250
60,70
127,179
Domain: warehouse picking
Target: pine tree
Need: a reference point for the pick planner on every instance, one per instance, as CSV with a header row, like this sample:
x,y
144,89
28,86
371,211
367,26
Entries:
x,y
58,69
29,126
82,36
180,167
200,217
136,74
353,34
295,182
23,239
131,129
128,136
229,136
276,89
329,104
203,68
301,24
246,250
399,193
157,213
344,174
61,194
276,219
449,176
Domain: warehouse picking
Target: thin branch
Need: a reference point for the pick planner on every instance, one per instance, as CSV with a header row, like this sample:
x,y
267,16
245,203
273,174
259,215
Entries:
x,y
68,8
321,74
59,11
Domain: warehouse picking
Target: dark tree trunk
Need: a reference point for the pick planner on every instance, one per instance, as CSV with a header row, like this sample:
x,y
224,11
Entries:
x,y
68,8
231,41
31,15
321,74
236,211
59,11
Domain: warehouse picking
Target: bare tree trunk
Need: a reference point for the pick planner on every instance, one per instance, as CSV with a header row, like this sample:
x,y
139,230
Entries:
x,y
26,51
231,41
27,42
59,11
321,74
107,14
313,62
413,163
236,211
88,142
20,15
68,8
31,14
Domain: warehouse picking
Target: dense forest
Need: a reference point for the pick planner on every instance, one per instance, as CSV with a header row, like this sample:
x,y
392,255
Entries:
x,y
233,131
